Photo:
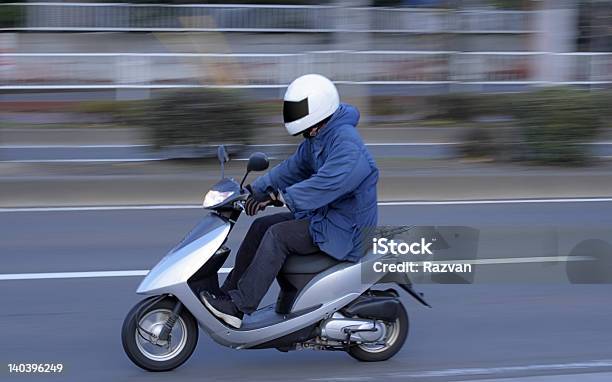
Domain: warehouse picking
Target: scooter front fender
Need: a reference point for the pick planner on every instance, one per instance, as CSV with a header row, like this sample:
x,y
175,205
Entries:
x,y
187,257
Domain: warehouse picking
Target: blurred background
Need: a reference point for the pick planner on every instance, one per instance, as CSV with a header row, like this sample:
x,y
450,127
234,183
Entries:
x,y
443,86
499,81
491,114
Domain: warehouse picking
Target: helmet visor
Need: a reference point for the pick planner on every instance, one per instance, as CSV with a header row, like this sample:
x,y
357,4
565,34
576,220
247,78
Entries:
x,y
294,110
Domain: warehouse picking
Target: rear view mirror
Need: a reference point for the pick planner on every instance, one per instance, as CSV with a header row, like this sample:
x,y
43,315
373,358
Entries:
x,y
258,162
223,157
222,154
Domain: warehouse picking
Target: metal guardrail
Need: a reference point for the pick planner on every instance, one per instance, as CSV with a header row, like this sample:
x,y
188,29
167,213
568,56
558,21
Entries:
x,y
260,18
183,70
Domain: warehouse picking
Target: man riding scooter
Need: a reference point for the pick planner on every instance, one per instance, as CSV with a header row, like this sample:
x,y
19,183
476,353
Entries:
x,y
328,184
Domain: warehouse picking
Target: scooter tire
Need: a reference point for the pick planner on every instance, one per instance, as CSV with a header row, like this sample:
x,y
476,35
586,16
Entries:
x,y
363,354
129,333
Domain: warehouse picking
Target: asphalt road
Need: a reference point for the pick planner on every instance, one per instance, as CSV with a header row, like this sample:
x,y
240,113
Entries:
x,y
487,330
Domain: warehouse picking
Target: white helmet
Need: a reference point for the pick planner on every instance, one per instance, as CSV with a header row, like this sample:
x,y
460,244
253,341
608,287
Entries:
x,y
309,99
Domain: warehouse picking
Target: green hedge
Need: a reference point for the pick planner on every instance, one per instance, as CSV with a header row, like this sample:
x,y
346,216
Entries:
x,y
195,117
550,125
11,16
555,122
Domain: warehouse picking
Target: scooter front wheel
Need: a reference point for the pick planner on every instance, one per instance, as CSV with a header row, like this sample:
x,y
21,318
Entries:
x,y
142,327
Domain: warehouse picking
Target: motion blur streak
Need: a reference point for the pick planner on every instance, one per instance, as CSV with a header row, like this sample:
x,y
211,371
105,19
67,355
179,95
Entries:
x,y
94,274
390,203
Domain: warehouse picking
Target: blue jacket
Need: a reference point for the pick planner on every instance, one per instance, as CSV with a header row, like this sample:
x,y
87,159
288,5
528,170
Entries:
x,y
331,180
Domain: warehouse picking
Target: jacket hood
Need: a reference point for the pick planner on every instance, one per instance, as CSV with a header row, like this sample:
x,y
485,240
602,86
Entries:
x,y
345,115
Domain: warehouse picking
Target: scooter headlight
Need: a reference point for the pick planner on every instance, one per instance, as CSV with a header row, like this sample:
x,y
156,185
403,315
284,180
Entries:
x,y
213,198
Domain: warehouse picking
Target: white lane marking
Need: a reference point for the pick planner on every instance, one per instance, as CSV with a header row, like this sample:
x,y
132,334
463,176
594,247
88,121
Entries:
x,y
78,275
344,379
384,204
97,274
102,208
502,369
493,201
70,275
512,260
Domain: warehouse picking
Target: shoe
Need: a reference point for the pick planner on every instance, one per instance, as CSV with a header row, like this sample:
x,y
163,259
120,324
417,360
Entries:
x,y
224,309
220,295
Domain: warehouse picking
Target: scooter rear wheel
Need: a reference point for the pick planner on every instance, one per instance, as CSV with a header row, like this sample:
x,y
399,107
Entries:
x,y
396,333
144,322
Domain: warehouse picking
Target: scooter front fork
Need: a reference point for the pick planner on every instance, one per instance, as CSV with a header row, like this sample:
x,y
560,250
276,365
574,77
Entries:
x,y
169,324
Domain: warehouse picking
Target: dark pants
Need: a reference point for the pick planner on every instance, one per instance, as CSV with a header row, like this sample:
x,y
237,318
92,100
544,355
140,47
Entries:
x,y
263,251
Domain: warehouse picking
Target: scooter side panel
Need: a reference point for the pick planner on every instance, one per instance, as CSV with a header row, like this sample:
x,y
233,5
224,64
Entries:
x,y
183,261
342,279
332,290
244,339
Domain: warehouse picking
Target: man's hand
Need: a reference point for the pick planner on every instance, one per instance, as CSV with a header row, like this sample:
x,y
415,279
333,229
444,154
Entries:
x,y
252,206
276,199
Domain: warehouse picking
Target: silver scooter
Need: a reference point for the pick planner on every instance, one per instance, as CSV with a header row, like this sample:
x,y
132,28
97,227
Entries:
x,y
323,303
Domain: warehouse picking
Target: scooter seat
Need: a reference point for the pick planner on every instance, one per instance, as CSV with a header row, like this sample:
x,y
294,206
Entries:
x,y
308,264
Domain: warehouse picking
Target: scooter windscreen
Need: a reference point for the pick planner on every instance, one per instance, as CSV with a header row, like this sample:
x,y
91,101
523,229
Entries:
x,y
225,191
